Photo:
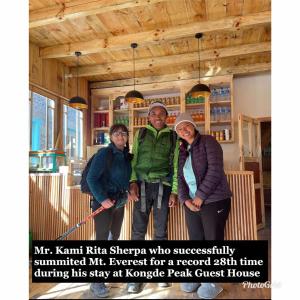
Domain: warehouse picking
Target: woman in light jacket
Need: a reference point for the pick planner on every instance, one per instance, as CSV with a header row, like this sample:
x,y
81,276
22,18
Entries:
x,y
203,190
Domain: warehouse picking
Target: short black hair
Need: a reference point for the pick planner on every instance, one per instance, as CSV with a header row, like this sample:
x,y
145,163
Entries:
x,y
116,127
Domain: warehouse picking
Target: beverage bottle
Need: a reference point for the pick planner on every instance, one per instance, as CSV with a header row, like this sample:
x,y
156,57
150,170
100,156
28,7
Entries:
x,y
228,113
213,95
212,116
220,114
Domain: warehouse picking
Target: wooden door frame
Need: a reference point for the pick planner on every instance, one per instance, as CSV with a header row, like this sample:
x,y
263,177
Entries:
x,y
253,122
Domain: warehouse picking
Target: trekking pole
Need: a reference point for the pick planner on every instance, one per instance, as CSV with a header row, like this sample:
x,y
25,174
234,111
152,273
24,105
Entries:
x,y
96,212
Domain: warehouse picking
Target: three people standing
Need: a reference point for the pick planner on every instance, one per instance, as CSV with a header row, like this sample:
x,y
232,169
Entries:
x,y
158,168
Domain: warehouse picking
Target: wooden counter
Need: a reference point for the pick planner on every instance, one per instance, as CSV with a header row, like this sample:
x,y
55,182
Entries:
x,y
54,208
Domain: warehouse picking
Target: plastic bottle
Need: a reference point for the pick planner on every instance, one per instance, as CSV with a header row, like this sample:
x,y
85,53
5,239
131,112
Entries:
x,y
228,113
213,95
227,93
212,114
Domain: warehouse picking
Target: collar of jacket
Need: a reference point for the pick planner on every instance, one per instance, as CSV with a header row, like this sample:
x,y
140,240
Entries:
x,y
116,150
185,144
155,131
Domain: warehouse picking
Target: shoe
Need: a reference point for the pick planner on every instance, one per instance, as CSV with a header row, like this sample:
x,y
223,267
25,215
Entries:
x,y
164,284
189,287
209,290
135,287
99,289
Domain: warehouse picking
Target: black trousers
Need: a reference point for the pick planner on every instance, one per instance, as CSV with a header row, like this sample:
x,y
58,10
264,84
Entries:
x,y
160,215
209,222
108,223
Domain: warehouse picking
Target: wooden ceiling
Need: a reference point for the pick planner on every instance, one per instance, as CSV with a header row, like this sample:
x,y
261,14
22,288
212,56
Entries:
x,y
236,37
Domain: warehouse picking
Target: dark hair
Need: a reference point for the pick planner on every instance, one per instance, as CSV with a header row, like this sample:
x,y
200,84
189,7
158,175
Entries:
x,y
117,127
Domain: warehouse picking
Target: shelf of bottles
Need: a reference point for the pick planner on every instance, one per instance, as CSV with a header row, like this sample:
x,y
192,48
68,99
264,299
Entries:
x,y
196,108
221,113
101,138
170,102
120,111
100,114
140,118
101,120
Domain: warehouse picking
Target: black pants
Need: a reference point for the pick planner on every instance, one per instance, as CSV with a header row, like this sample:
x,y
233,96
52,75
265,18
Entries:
x,y
141,219
108,223
209,222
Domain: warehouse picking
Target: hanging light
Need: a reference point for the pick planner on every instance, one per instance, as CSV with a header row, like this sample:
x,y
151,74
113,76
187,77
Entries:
x,y
199,90
134,96
77,102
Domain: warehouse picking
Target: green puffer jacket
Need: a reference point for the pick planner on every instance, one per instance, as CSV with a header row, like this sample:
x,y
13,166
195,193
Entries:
x,y
152,157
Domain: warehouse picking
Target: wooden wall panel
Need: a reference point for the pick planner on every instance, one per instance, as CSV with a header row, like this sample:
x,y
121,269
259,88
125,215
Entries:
x,y
54,209
50,74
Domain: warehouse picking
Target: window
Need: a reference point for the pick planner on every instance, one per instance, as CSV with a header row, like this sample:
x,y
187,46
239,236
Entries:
x,y
42,122
73,129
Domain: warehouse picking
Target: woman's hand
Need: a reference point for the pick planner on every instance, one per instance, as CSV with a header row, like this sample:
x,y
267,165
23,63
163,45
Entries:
x,y
133,194
131,197
189,204
107,203
172,200
197,202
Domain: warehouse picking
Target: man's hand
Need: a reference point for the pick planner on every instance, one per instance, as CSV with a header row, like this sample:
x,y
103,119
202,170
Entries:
x,y
197,202
107,203
172,200
133,194
189,204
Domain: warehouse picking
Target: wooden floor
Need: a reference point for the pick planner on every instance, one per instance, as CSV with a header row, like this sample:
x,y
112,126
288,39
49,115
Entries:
x,y
151,291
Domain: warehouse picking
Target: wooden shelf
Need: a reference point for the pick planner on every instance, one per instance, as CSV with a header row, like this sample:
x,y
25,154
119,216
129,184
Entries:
x,y
173,106
145,108
101,128
140,109
121,111
133,113
194,104
226,142
200,123
100,145
101,111
220,102
220,122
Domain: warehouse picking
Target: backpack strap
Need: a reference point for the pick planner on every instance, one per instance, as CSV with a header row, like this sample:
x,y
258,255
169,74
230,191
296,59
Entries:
x,y
173,138
142,135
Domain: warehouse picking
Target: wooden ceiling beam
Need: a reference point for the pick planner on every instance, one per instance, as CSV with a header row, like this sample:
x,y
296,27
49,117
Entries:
x,y
169,82
171,60
234,70
80,8
155,36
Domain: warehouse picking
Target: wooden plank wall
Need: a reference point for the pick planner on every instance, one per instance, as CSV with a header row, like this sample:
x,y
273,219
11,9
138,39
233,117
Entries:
x,y
50,74
55,208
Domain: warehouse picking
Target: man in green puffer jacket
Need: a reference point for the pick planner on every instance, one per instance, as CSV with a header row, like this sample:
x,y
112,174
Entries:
x,y
153,178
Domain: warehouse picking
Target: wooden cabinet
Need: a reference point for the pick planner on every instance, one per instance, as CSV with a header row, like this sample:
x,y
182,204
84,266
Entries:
x,y
213,116
220,112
